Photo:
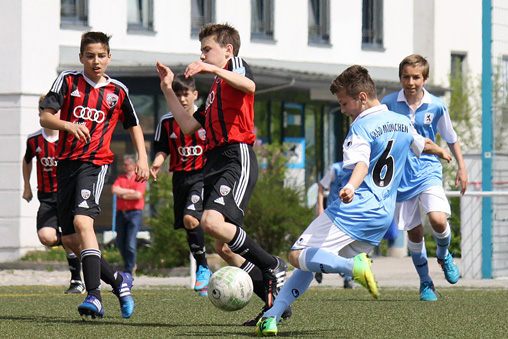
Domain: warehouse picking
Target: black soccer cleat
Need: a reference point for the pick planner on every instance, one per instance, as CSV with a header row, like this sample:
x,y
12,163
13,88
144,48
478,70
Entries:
x,y
274,279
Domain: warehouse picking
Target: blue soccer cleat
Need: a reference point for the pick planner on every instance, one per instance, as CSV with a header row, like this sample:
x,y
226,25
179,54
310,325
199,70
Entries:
x,y
202,278
427,291
124,295
92,307
451,271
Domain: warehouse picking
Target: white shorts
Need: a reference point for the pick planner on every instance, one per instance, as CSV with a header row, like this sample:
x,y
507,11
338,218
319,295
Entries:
x,y
433,199
323,233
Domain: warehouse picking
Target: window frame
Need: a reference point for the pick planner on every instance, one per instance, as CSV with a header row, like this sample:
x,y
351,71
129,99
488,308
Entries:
x,y
372,24
141,25
80,17
318,23
205,10
262,29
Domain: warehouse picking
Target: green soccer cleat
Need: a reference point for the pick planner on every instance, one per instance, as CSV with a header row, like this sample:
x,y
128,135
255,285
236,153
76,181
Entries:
x,y
266,327
363,275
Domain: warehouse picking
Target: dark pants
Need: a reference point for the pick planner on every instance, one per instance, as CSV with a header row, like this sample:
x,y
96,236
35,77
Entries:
x,y
127,227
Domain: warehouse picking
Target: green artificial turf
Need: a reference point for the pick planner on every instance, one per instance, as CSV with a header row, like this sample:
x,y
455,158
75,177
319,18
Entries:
x,y
170,312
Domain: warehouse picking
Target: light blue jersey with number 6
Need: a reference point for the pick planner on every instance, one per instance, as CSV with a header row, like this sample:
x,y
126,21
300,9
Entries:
x,y
381,139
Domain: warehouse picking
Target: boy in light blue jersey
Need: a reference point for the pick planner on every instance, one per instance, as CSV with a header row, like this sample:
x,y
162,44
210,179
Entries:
x,y
375,152
422,181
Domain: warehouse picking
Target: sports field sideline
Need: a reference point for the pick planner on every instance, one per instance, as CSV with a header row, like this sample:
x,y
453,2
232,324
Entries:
x,y
390,273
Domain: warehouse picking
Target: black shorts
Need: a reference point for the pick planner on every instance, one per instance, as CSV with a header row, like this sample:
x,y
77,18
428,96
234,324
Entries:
x,y
187,195
80,187
47,214
230,174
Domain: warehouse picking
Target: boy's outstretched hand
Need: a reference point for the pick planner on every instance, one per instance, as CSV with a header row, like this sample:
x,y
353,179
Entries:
x,y
165,75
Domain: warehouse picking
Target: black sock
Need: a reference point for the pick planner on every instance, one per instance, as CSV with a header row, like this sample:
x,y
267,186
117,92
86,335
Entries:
x,y
91,259
74,266
245,246
109,275
196,240
257,278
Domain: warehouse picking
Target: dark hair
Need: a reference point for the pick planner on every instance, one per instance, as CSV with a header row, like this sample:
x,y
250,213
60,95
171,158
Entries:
x,y
182,84
415,60
224,35
94,38
352,81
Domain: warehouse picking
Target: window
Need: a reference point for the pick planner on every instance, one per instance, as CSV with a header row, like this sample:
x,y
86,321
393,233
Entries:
x,y
140,15
202,13
74,13
458,66
319,21
261,19
372,24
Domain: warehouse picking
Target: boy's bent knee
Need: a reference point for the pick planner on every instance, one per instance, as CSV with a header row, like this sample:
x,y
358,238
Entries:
x,y
190,222
293,258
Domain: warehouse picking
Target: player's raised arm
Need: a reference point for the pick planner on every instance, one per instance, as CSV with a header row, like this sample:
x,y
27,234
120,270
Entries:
x,y
186,122
235,80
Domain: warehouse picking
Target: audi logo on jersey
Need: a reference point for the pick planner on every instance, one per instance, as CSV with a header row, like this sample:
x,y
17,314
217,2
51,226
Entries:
x,y
90,114
210,99
49,161
190,151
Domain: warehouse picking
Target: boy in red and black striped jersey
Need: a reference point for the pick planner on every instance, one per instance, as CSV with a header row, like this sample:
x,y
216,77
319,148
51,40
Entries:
x,y
231,170
42,145
186,164
90,103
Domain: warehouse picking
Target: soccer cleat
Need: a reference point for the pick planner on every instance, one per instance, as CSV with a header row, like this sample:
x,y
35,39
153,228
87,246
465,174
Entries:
x,y
92,307
76,287
288,312
451,271
202,278
363,275
319,277
427,291
274,279
266,327
348,282
203,292
124,295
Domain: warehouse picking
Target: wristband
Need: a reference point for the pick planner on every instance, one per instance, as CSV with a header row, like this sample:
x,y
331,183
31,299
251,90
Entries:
x,y
350,186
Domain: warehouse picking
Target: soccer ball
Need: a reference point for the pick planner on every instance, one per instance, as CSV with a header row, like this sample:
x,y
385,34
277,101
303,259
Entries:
x,y
230,288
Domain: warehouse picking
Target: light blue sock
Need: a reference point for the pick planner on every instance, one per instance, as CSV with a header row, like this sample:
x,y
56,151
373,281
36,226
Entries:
x,y
319,260
294,287
421,265
443,242
419,256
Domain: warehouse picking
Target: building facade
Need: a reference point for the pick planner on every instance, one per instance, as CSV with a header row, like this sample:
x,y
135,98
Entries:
x,y
294,47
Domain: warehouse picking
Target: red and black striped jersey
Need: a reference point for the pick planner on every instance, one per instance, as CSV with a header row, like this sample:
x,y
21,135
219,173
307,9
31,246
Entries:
x,y
185,151
98,106
228,113
40,146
